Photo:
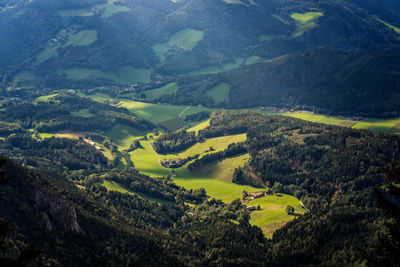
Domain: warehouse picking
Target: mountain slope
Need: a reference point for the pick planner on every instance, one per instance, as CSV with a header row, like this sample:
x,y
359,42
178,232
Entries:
x,y
122,42
326,80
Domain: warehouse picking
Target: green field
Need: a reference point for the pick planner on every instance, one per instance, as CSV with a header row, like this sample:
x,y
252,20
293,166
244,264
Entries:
x,y
253,60
75,13
272,214
147,161
173,124
85,113
25,78
123,135
128,74
207,70
304,22
379,125
44,98
396,29
155,113
218,143
186,39
220,93
223,169
114,186
158,113
166,89
316,118
100,97
82,38
125,74
199,126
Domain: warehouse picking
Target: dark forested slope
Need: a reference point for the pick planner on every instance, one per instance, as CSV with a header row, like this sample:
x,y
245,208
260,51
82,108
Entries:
x,y
324,80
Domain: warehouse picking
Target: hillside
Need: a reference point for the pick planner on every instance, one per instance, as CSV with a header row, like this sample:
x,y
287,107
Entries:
x,y
324,80
98,42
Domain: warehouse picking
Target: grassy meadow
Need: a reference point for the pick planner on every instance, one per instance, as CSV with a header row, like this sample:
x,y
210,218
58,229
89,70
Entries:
x,y
304,22
164,90
272,214
114,186
220,93
186,39
123,135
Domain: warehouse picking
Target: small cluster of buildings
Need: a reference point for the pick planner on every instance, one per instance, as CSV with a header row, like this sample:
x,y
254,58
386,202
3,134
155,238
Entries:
x,y
173,163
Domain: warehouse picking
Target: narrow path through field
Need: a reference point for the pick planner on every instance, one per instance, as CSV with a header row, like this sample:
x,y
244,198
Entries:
x,y
159,162
183,111
304,206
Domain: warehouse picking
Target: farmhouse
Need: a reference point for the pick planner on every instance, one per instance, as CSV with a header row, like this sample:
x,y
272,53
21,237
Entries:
x,y
250,208
255,195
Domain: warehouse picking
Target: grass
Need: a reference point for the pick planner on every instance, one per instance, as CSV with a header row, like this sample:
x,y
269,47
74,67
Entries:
x,y
44,98
316,118
173,124
218,143
114,186
379,125
220,93
46,135
75,13
155,113
123,135
85,113
396,29
166,89
223,169
111,9
100,97
186,39
125,75
272,214
253,60
25,78
82,38
200,126
146,160
216,188
128,74
207,70
304,22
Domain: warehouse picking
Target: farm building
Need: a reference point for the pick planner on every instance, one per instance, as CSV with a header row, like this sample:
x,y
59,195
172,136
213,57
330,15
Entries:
x,y
250,208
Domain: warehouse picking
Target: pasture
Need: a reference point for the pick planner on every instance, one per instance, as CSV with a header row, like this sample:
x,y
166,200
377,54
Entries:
x,y
220,93
186,39
75,13
44,98
199,126
147,161
123,135
379,125
390,26
222,169
216,143
114,186
304,22
272,214
164,90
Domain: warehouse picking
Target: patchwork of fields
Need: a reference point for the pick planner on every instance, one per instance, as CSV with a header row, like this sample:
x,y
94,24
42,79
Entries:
x,y
214,177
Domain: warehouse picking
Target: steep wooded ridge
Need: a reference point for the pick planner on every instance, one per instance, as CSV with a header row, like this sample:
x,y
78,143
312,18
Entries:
x,y
324,80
